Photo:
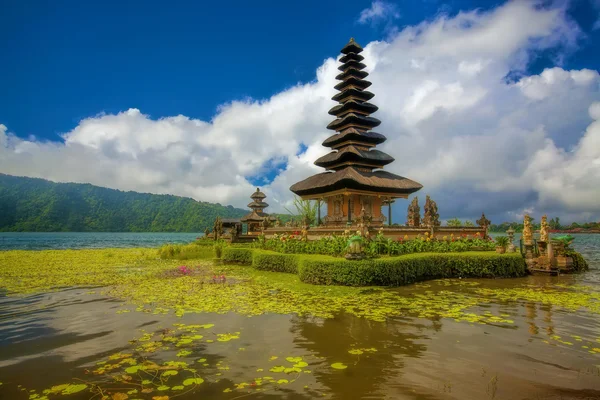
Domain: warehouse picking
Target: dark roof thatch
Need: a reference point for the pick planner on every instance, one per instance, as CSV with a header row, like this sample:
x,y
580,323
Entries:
x,y
351,134
363,95
354,160
380,181
351,154
351,47
256,216
258,194
258,204
351,56
354,120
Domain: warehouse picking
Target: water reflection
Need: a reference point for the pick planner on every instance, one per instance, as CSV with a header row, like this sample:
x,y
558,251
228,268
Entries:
x,y
368,373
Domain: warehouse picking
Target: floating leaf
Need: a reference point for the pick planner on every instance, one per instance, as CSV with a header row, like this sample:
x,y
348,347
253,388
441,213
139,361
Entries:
x,y
202,360
339,365
179,387
273,358
120,396
283,381
184,353
70,389
227,390
293,359
355,351
301,364
279,368
170,373
193,381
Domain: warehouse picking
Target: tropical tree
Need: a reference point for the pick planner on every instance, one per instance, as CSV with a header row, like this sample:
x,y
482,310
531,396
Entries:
x,y
454,222
306,209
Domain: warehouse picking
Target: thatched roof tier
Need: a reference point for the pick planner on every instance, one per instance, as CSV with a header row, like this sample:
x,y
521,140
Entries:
x,y
351,56
352,120
352,73
258,195
350,155
363,108
353,136
256,216
353,94
352,179
352,82
258,204
352,65
355,164
351,47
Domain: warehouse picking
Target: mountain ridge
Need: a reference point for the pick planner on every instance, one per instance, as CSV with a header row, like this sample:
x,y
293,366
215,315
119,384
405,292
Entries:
x,y
39,205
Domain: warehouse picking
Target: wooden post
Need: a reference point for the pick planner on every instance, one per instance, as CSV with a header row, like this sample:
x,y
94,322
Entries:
x,y
350,209
390,213
318,212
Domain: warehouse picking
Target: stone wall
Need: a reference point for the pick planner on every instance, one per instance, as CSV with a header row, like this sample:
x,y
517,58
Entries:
x,y
393,233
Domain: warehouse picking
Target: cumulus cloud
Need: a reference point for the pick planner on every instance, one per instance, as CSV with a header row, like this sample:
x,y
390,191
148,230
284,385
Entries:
x,y
475,140
379,11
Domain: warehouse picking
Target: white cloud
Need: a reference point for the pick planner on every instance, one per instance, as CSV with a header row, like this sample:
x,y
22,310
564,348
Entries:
x,y
476,142
379,11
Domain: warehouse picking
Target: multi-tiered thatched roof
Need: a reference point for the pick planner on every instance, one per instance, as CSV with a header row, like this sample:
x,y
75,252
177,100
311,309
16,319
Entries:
x,y
354,164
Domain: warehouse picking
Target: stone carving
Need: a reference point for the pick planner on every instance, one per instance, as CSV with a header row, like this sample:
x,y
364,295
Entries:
x,y
544,229
511,246
277,222
265,223
414,213
218,228
234,231
484,223
431,217
527,233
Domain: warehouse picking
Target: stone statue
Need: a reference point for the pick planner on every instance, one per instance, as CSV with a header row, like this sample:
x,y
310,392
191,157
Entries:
x,y
265,223
431,217
527,234
544,229
484,223
414,213
218,228
234,231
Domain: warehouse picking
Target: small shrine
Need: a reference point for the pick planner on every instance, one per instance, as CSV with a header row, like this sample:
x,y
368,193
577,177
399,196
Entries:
x,y
257,218
354,185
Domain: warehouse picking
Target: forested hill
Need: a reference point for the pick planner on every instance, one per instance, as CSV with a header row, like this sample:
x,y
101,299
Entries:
x,y
30,204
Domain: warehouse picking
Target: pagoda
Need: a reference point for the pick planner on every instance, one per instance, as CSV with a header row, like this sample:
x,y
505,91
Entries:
x,y
257,215
354,184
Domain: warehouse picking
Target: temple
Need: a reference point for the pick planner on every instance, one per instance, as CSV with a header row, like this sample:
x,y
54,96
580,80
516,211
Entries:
x,y
256,217
354,184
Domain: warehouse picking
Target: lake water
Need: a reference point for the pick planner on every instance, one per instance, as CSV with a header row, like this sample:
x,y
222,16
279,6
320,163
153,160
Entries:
x,y
83,240
547,353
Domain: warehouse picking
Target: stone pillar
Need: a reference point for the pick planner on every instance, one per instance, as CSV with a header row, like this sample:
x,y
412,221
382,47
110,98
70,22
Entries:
x,y
511,246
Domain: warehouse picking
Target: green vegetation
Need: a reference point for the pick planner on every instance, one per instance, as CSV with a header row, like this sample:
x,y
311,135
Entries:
x,y
335,245
385,271
38,205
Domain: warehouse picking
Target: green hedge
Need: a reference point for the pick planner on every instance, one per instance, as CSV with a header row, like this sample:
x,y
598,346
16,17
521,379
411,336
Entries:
x,y
270,261
237,255
396,271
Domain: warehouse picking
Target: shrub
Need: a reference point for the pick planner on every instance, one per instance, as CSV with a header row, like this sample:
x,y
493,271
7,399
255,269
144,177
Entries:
x,y
579,263
237,255
502,241
218,250
402,270
277,262
184,251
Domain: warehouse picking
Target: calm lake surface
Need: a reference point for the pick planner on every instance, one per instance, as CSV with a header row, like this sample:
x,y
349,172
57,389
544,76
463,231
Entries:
x,y
47,339
89,240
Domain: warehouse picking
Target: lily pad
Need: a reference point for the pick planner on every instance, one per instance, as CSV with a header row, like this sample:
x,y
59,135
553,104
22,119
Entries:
x,y
339,365
193,381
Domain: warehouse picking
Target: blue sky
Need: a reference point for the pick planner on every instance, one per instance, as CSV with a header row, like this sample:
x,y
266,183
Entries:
x,y
68,60
76,73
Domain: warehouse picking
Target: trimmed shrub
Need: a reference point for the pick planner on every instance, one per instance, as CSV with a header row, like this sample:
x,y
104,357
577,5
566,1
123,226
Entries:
x,y
237,255
276,262
396,271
